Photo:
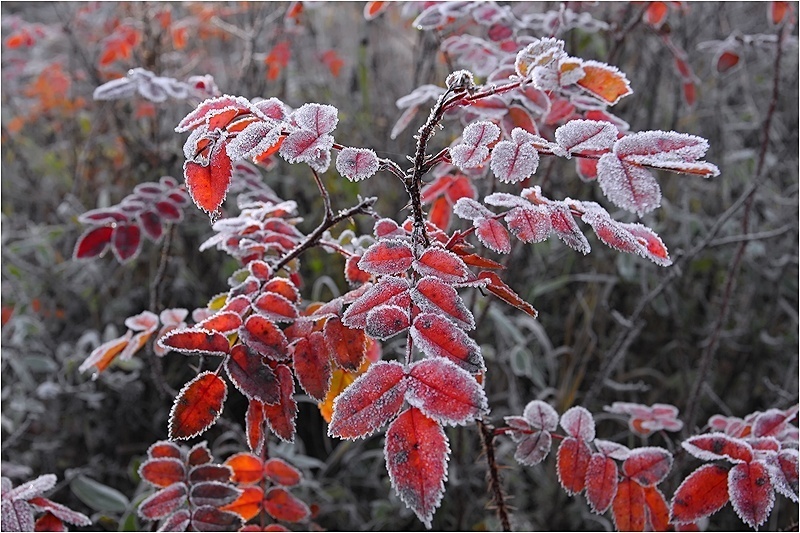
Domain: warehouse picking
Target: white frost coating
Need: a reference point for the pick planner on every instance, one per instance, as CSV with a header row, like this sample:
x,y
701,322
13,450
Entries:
x,y
480,133
379,294
649,147
146,320
611,449
785,462
470,209
255,139
533,449
539,52
430,292
443,264
701,446
391,256
429,384
541,415
31,489
517,159
317,118
579,423
386,321
565,228
271,108
357,164
115,89
305,146
627,185
493,235
473,151
503,199
465,156
571,76
751,499
530,224
420,95
174,316
583,135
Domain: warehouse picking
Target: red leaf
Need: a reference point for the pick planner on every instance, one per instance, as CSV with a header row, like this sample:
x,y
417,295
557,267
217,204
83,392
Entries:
x,y
280,472
373,8
263,336
164,449
199,454
169,211
784,473
353,273
387,291
443,264
281,417
126,241
208,108
386,321
247,468
387,257
312,365
751,492
499,288
224,322
49,522
437,336
61,512
778,11
516,159
493,235
281,505
439,214
656,14
197,406
718,446
151,224
416,453
212,493
628,185
207,518
164,502
433,295
162,472
251,376
657,510
254,422
209,184
518,117
346,345
628,507
726,60
371,401
572,464
445,392
601,482
284,287
210,472
178,521
648,466
565,227
529,224
701,494
276,307
196,341
357,164
770,424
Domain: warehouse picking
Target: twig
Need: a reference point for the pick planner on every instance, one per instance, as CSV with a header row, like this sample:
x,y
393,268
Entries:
x,y
495,486
156,366
707,358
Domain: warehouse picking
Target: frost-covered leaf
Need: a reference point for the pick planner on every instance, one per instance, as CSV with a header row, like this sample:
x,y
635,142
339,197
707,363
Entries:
x,y
164,502
416,453
275,307
248,504
305,146
437,336
386,321
208,518
263,336
533,448
117,89
611,449
254,140
104,355
628,507
197,406
445,392
499,288
648,466
312,365
572,464
530,224
701,494
280,472
126,241
347,346
585,135
386,257
212,493
604,82
370,402
565,228
388,291
162,472
208,184
470,209
516,159
433,295
493,235
715,446
281,505
281,417
93,242
751,492
224,322
601,482
473,150
251,376
316,118
61,512
628,185
783,472
541,415
578,422
655,147
443,264
357,164
193,341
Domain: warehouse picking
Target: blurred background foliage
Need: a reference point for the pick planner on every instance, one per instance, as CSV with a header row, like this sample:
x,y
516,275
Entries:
x,y
63,154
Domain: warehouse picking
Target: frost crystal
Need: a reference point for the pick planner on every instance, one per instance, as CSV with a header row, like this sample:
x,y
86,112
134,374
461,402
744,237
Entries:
x,y
584,135
357,164
627,185
515,160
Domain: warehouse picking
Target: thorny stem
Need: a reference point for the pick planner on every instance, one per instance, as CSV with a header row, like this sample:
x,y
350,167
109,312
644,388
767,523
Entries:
x,y
364,207
326,198
707,358
495,486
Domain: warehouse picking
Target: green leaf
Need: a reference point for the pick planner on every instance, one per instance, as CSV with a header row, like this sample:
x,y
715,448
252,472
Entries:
x,y
98,496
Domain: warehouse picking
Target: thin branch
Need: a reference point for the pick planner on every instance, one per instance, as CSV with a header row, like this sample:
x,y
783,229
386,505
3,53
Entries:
x,y
487,433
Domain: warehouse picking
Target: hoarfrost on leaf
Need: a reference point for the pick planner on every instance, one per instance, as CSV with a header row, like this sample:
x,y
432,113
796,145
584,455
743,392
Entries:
x,y
582,135
357,164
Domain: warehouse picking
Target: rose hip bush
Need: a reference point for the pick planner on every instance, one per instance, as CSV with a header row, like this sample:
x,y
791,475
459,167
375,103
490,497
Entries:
x,y
404,350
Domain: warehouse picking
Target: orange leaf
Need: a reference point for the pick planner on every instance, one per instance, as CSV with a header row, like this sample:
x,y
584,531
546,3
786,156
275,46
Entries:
x,y
604,81
373,8
283,506
281,472
248,505
247,468
197,406
656,14
504,292
628,506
